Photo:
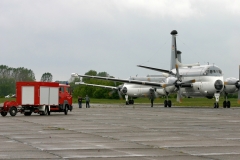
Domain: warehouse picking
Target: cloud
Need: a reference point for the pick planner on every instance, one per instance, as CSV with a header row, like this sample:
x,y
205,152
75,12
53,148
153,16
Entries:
x,y
114,36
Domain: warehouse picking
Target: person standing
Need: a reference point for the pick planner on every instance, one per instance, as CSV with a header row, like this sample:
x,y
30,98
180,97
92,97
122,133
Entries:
x,y
151,97
87,101
80,101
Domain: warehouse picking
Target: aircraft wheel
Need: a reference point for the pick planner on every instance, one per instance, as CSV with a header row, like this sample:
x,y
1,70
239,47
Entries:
x,y
228,104
216,105
132,101
13,111
3,114
224,104
169,103
165,103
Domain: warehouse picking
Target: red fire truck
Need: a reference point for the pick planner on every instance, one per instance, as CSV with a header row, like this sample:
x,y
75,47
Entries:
x,y
39,97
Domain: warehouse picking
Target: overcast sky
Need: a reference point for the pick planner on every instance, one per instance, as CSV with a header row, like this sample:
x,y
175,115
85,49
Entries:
x,y
66,36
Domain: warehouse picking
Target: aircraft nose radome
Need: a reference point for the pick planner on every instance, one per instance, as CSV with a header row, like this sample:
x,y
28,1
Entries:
x,y
218,85
174,32
124,90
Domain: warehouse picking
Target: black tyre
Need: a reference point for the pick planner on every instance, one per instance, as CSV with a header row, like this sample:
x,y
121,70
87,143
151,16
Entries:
x,y
215,105
66,110
27,113
165,103
132,101
3,114
169,103
13,111
48,111
228,104
224,104
70,108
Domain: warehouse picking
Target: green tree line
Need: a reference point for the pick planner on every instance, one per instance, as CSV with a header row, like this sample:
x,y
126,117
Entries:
x,y
9,76
95,92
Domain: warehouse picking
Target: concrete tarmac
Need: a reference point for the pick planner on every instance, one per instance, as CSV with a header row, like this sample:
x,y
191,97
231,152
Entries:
x,y
119,132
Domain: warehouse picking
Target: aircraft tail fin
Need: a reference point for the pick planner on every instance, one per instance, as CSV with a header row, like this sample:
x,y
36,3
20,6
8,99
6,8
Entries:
x,y
173,58
176,55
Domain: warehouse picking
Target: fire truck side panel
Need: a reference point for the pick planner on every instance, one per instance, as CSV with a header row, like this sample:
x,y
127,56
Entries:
x,y
27,95
44,95
49,95
54,96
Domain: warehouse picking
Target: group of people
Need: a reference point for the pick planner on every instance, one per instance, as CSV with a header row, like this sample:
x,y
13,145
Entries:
x,y
80,99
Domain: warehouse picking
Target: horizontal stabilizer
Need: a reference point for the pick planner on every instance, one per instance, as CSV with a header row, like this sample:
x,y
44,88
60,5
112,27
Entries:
x,y
157,69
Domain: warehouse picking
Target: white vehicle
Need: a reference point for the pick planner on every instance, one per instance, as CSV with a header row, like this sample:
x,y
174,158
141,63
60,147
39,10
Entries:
x,y
7,96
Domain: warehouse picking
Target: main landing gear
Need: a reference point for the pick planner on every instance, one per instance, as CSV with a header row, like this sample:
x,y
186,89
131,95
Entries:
x,y
226,103
167,103
130,101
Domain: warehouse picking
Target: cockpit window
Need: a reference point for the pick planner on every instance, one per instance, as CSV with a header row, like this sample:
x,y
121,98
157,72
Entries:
x,y
214,72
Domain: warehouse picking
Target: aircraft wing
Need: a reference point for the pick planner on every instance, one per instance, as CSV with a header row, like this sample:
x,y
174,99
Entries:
x,y
154,84
157,69
95,85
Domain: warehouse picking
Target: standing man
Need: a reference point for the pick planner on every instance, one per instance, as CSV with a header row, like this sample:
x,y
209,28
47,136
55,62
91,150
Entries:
x,y
151,97
87,101
80,101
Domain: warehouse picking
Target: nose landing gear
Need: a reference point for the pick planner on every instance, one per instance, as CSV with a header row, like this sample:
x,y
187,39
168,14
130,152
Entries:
x,y
216,104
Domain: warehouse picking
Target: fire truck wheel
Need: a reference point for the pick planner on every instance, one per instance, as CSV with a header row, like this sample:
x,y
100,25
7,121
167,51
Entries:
x,y
45,112
3,114
49,113
13,111
66,110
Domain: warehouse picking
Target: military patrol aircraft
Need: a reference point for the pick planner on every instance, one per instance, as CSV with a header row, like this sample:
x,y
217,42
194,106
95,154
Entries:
x,y
195,80
190,80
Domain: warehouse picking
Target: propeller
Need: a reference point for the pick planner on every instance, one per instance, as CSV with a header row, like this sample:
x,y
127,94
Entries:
x,y
118,90
236,83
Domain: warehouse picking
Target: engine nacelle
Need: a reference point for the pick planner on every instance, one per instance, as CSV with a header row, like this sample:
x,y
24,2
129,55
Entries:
x,y
161,92
170,80
231,85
